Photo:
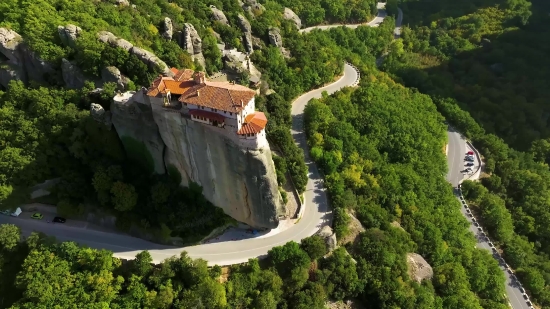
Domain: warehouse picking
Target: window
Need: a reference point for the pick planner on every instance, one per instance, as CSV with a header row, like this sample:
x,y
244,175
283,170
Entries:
x,y
230,113
185,104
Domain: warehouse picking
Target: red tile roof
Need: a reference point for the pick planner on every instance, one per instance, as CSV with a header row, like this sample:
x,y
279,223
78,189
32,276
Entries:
x,y
219,95
253,123
205,114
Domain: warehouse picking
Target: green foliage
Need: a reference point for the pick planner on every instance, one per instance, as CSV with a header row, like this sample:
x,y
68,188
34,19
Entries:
x,y
313,12
483,64
314,246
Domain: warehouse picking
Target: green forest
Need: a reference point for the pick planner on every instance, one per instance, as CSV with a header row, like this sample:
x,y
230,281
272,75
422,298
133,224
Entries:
x,y
478,65
484,65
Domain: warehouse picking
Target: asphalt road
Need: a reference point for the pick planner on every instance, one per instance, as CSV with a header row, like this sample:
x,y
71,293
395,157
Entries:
x,y
455,160
373,23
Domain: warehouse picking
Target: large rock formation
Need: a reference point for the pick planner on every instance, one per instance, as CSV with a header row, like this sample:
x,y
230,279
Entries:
x,y
99,114
247,32
329,237
138,131
241,182
253,7
191,42
418,268
150,59
17,61
69,34
72,75
218,15
275,37
113,75
288,14
168,28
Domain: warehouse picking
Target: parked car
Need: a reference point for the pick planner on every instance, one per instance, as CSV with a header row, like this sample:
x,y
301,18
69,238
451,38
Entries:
x,y
464,171
522,290
469,164
491,244
476,224
468,210
37,216
59,220
470,153
479,228
471,159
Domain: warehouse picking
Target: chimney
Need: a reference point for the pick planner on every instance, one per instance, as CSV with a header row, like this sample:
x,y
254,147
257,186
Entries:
x,y
242,104
198,93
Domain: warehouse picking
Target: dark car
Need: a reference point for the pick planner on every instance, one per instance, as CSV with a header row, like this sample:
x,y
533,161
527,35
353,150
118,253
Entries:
x,y
469,164
59,220
470,159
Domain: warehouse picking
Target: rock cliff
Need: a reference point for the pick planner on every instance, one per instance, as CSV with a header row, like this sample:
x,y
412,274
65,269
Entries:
x,y
191,42
247,33
17,61
243,183
137,130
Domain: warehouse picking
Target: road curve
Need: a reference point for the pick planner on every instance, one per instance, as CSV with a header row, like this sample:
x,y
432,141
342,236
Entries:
x,y
455,161
316,214
373,23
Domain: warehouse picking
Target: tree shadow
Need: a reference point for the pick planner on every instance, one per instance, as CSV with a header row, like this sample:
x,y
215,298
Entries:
x,y
502,83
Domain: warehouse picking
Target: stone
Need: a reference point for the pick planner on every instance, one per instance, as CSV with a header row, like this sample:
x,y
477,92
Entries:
x,y
191,42
10,42
72,75
133,120
329,236
253,7
69,34
288,14
168,29
275,37
112,75
99,114
218,15
147,57
123,2
257,43
418,268
9,73
20,60
247,33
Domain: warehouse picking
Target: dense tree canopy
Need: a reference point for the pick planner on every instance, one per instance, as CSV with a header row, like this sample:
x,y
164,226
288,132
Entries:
x,y
484,65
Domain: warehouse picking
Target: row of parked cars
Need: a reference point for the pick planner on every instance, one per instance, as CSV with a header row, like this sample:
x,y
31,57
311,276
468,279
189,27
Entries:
x,y
494,249
469,162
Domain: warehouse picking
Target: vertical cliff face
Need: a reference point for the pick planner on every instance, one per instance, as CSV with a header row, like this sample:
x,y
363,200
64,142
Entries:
x,y
138,131
241,182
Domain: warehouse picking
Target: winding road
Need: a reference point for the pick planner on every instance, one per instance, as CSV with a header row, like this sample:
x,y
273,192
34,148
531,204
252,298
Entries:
x,y
316,214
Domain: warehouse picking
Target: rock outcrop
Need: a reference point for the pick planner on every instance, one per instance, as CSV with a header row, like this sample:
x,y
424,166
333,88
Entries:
x,y
99,114
72,75
253,7
275,37
329,236
19,61
241,182
247,33
237,63
418,268
218,15
138,131
191,42
147,57
288,14
113,75
168,28
69,34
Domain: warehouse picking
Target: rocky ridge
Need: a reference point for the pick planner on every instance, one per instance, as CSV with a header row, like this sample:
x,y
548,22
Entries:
x,y
247,33
147,57
190,41
288,14
218,15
